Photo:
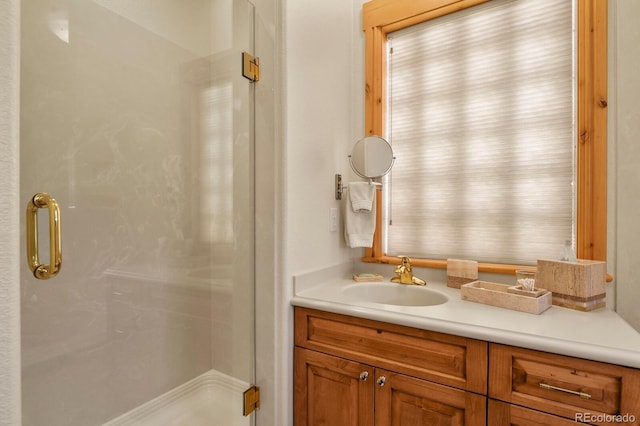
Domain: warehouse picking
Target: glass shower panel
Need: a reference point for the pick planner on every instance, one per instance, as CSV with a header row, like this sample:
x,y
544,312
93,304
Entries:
x,y
135,117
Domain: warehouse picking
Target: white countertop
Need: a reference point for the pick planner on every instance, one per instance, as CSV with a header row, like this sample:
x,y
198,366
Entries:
x,y
600,335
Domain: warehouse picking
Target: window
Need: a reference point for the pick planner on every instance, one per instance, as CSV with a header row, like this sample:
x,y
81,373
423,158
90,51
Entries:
x,y
469,133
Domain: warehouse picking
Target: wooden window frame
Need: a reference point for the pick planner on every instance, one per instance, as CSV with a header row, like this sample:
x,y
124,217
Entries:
x,y
381,17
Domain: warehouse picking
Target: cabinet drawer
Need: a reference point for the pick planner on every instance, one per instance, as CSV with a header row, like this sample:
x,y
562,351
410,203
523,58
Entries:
x,y
562,385
503,414
451,360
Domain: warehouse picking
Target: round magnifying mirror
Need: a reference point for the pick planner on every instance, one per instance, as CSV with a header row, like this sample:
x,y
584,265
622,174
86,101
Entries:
x,y
371,157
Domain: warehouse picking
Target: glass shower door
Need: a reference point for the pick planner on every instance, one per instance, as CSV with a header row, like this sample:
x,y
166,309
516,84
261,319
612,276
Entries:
x,y
136,119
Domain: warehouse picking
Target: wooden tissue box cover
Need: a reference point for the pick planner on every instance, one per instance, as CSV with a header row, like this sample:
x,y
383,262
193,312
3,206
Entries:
x,y
499,295
577,285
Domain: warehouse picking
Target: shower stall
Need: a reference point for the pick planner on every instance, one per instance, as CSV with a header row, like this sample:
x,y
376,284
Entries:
x,y
137,121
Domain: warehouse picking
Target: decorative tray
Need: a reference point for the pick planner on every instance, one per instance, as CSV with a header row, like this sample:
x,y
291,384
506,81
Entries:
x,y
507,296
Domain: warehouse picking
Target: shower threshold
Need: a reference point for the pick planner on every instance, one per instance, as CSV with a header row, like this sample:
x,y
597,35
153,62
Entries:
x,y
211,399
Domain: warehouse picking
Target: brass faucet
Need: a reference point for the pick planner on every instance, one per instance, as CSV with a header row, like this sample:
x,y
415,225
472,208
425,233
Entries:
x,y
405,273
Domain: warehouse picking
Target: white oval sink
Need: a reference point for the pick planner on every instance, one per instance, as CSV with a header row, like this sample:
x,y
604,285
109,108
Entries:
x,y
393,294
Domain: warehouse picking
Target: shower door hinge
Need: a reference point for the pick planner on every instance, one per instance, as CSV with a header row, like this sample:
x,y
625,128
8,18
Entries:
x,y
251,400
250,67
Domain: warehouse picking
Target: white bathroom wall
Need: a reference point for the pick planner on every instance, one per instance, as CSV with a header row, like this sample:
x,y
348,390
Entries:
x,y
324,117
9,215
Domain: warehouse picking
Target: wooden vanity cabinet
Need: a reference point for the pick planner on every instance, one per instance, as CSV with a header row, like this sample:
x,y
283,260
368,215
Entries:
x,y
357,372
352,371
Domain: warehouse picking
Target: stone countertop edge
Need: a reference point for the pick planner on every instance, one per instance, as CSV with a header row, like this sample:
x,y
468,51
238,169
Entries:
x,y
599,335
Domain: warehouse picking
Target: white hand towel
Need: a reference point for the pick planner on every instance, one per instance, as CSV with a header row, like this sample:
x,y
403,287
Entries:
x,y
359,225
361,195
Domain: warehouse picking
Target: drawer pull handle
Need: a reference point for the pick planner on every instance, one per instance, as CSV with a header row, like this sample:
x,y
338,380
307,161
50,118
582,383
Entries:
x,y
364,376
572,392
382,380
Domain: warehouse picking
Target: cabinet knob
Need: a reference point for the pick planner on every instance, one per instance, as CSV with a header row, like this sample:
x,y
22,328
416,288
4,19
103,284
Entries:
x,y
382,380
364,376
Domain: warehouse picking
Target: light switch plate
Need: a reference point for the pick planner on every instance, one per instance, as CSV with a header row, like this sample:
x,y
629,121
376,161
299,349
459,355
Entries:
x,y
333,219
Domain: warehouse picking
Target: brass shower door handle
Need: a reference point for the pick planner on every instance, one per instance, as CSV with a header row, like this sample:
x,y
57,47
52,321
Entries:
x,y
40,271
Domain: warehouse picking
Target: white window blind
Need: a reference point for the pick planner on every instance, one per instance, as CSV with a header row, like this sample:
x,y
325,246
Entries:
x,y
481,117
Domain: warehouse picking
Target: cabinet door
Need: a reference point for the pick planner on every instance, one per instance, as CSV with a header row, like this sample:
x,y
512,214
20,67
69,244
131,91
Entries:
x,y
406,401
503,414
331,391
